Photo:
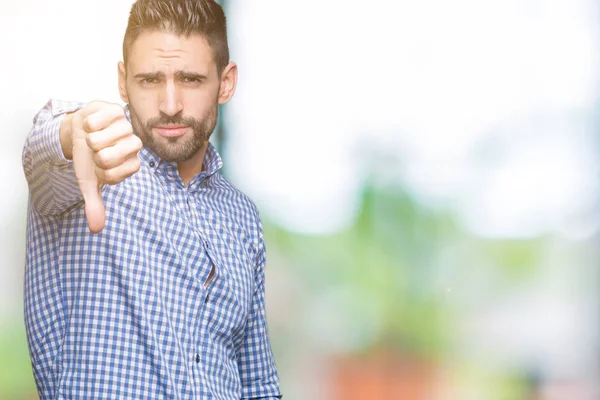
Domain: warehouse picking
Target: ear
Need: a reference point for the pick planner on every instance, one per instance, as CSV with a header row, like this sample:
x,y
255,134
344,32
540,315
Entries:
x,y
122,82
229,78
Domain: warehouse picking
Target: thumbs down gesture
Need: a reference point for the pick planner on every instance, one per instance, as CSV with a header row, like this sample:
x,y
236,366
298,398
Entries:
x,y
104,150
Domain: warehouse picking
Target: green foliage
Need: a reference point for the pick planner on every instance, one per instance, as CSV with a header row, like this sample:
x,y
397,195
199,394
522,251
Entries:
x,y
514,257
16,378
391,260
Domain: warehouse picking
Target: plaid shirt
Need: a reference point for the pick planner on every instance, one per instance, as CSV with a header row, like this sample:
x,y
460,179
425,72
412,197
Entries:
x,y
125,314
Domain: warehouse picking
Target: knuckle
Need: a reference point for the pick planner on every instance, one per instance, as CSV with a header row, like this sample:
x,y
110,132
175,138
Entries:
x,y
111,177
135,144
89,123
119,128
97,103
130,174
103,105
126,124
93,142
136,164
116,111
126,128
92,105
133,166
138,143
102,159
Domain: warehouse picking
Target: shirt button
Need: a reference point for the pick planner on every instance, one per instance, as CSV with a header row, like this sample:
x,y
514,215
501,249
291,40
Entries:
x,y
152,164
197,358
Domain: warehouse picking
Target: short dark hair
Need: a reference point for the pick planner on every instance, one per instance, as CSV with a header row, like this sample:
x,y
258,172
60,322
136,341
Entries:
x,y
182,18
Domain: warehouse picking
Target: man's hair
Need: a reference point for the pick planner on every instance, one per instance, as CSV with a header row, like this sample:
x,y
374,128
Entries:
x,y
182,18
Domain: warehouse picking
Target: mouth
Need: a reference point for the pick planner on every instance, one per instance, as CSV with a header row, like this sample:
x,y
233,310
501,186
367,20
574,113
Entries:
x,y
171,130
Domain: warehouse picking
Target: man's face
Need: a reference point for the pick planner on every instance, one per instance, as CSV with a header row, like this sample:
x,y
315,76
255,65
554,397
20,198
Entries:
x,y
172,87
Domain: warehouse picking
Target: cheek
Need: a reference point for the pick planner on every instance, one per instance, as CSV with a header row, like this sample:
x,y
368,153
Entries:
x,y
144,102
200,103
145,98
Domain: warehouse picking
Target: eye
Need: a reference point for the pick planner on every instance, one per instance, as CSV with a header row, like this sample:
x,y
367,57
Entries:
x,y
189,79
149,81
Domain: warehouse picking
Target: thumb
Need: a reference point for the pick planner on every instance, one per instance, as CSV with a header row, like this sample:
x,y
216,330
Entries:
x,y
95,212
86,177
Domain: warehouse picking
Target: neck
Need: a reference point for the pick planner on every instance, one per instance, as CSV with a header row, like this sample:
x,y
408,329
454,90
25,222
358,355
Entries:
x,y
190,168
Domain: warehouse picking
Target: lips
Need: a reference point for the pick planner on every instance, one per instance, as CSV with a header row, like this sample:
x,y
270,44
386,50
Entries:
x,y
171,130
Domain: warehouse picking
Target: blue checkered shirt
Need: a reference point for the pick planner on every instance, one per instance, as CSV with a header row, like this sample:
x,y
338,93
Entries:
x,y
125,314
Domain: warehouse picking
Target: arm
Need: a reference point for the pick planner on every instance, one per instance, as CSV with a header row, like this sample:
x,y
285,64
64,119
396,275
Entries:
x,y
50,175
256,364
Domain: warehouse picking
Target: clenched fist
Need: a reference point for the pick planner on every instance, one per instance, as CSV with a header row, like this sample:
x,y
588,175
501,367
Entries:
x,y
104,150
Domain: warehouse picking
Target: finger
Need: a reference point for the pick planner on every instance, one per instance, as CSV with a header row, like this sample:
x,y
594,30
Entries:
x,y
113,156
94,207
101,118
118,174
86,179
109,136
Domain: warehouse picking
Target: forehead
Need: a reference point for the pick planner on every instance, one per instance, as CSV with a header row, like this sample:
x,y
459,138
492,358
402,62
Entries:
x,y
157,51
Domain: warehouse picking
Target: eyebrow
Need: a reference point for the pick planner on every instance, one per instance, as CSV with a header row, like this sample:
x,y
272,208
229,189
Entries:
x,y
150,75
178,74
190,75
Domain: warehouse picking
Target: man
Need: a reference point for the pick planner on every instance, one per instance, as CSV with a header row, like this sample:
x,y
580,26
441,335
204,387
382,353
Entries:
x,y
145,267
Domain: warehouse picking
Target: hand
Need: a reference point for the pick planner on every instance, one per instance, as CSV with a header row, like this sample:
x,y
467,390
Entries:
x,y
104,151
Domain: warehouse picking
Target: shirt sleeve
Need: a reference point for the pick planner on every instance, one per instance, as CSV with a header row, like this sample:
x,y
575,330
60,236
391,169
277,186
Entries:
x,y
53,188
258,371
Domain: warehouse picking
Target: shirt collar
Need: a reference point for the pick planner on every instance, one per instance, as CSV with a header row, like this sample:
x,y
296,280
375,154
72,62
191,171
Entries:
x,y
212,159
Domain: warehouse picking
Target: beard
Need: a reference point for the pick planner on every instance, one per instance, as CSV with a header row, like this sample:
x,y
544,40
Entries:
x,y
175,149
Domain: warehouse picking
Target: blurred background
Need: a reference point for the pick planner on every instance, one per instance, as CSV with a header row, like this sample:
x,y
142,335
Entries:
x,y
428,175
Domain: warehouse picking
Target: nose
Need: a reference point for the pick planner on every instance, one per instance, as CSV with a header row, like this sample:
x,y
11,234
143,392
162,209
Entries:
x,y
170,102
